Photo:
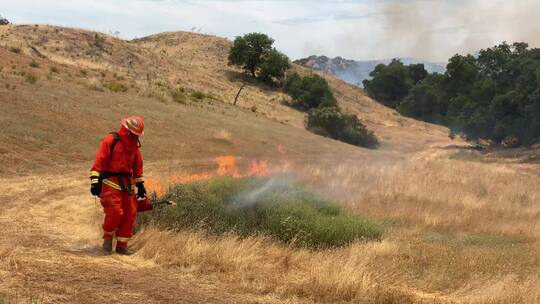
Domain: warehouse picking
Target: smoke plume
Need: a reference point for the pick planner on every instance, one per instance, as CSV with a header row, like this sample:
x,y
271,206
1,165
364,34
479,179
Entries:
x,y
436,30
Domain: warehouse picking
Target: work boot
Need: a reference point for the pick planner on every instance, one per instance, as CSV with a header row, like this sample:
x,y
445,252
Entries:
x,y
107,246
123,251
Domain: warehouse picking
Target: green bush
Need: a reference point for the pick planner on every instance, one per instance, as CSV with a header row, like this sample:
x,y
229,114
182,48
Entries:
x,y
331,122
33,64
4,21
116,86
198,95
15,50
257,206
309,92
30,78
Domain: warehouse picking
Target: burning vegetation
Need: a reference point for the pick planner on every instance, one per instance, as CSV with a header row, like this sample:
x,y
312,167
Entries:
x,y
274,206
258,202
226,166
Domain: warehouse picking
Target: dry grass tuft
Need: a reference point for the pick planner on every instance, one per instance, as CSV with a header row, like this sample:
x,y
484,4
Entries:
x,y
256,264
9,258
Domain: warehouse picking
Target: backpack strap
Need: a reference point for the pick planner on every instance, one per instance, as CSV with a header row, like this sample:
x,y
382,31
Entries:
x,y
116,138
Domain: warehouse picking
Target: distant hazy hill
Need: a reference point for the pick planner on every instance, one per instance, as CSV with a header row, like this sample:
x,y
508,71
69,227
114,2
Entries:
x,y
354,72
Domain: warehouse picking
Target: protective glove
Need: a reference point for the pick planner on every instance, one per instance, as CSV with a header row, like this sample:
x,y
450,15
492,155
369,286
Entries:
x,y
141,191
95,189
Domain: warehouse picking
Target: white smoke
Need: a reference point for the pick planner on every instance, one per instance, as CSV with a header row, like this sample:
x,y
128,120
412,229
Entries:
x,y
436,30
250,198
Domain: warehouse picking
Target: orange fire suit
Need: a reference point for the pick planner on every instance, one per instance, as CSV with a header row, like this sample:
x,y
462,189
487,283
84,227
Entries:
x,y
118,172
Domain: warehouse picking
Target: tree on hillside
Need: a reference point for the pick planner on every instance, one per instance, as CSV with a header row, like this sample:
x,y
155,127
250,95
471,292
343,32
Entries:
x,y
3,20
255,54
425,101
274,67
461,73
390,83
417,72
495,95
310,91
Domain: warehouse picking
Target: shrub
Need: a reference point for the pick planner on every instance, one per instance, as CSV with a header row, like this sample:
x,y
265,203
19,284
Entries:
x,y
54,70
179,96
253,206
198,95
99,40
15,50
30,78
3,20
116,87
331,122
33,64
309,92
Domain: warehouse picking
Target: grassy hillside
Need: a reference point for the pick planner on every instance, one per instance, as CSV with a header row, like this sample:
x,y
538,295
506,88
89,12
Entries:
x,y
65,110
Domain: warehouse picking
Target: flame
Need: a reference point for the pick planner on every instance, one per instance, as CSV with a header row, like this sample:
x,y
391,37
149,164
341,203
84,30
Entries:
x,y
227,166
258,168
155,186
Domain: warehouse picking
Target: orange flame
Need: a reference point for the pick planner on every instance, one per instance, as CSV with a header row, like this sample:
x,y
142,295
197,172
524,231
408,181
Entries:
x,y
258,168
227,166
154,185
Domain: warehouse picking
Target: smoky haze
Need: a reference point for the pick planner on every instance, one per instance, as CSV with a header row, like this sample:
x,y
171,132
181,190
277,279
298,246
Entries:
x,y
431,30
436,30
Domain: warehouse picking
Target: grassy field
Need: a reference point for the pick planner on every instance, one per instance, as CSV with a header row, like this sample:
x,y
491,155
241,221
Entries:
x,y
460,226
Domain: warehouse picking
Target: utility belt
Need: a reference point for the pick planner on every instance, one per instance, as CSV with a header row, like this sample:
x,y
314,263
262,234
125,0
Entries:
x,y
125,181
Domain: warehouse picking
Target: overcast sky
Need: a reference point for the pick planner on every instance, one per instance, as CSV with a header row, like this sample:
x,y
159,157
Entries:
x,y
361,29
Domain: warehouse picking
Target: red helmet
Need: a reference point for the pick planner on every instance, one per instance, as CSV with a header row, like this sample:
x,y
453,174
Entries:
x,y
134,124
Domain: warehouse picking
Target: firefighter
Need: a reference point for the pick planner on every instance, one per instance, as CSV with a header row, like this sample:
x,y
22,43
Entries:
x,y
117,170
